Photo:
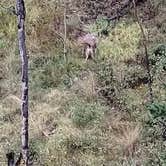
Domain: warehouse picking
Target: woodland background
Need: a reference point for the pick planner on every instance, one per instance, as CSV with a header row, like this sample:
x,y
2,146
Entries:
x,y
86,114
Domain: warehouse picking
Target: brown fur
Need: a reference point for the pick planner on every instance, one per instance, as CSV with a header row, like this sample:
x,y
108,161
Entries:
x,y
89,44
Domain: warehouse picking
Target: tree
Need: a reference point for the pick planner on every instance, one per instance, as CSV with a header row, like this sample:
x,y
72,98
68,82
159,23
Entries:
x,y
24,78
65,31
146,53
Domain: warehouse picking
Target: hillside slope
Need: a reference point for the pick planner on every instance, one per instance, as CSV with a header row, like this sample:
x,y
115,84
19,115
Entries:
x,y
85,114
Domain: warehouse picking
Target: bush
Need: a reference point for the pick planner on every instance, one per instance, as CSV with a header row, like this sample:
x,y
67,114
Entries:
x,y
98,26
122,43
157,122
84,114
52,71
108,81
8,25
157,110
134,76
158,58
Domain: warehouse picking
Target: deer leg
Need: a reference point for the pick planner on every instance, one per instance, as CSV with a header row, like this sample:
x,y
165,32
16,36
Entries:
x,y
93,53
87,53
83,51
87,56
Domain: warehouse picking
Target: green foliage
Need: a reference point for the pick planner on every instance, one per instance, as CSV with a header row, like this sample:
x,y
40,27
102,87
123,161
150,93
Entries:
x,y
66,127
158,58
2,43
160,50
8,25
49,72
157,120
159,159
84,114
106,80
83,143
75,148
122,43
98,26
157,110
35,148
47,75
134,76
101,23
105,72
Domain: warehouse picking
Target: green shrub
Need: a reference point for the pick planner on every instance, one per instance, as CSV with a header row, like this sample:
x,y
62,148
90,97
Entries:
x,y
35,146
134,76
159,159
122,43
50,72
98,26
8,25
84,114
108,85
158,58
157,110
157,120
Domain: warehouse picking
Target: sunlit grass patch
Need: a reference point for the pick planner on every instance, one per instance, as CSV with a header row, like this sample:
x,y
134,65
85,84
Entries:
x,y
122,43
8,25
41,25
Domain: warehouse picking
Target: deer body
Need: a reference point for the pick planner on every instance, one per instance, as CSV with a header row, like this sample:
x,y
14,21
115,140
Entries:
x,y
89,43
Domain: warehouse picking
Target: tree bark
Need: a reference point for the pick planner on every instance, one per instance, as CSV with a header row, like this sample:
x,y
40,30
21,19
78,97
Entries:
x,y
10,158
65,33
24,78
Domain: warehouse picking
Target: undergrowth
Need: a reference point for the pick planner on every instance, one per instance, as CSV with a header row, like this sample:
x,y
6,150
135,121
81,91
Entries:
x,y
92,113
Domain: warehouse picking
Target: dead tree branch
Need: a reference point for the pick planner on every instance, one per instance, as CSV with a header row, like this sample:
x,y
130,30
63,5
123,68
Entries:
x,y
145,41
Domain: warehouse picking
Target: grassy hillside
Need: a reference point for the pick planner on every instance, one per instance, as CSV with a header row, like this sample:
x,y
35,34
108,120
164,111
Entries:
x,y
85,114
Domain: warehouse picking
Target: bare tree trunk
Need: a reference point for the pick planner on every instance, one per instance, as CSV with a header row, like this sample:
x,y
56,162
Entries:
x,y
65,33
10,158
24,59
146,54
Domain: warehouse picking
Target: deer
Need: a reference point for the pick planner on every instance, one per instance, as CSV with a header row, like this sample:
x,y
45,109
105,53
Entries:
x,y
89,44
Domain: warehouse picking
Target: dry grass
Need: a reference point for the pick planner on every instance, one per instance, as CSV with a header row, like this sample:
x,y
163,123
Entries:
x,y
127,137
9,127
41,119
86,86
45,116
45,29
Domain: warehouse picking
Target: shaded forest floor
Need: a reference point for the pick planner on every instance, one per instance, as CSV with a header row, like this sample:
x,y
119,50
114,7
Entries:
x,y
86,114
